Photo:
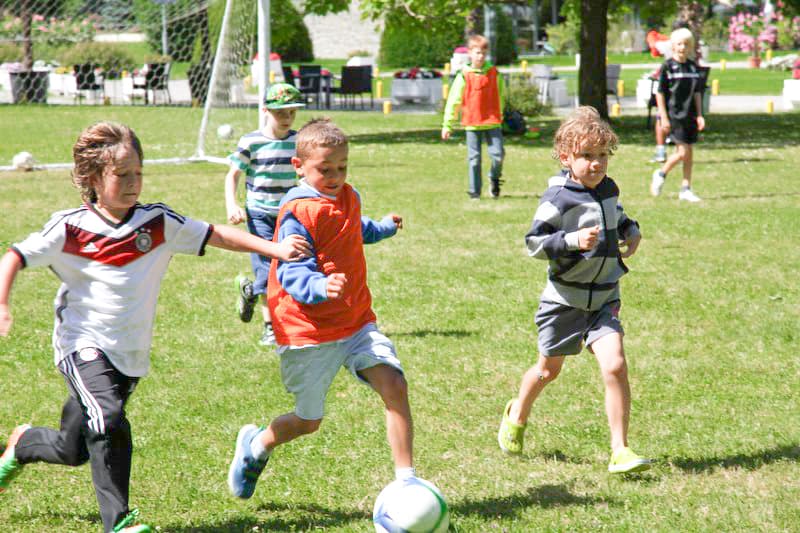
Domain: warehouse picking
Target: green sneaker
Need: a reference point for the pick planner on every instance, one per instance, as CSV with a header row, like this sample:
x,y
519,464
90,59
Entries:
x,y
245,300
511,435
126,524
9,468
625,461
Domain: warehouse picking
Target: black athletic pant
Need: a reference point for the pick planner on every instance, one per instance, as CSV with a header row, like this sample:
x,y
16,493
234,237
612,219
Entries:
x,y
93,428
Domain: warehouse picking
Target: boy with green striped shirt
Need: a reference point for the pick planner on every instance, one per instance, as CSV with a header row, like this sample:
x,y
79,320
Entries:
x,y
264,157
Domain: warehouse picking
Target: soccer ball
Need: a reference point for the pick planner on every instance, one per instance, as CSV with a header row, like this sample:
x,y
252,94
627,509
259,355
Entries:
x,y
410,505
225,131
23,161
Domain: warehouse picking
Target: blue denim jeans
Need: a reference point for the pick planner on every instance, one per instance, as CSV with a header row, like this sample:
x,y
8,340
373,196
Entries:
x,y
261,224
494,145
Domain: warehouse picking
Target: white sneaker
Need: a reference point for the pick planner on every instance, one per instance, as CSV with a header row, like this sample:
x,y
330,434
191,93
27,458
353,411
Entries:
x,y
657,183
689,196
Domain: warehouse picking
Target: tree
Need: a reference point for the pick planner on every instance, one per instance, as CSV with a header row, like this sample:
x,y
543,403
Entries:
x,y
592,70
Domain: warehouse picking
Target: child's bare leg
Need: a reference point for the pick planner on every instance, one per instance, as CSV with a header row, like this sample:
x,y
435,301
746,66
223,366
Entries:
x,y
533,381
611,356
286,428
687,165
674,159
390,384
265,309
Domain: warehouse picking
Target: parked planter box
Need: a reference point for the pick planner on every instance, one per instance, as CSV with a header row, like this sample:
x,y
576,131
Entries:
x,y
29,87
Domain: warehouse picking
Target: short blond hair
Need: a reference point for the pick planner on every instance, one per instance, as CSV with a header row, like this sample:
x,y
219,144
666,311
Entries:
x,y
682,35
316,133
477,39
583,126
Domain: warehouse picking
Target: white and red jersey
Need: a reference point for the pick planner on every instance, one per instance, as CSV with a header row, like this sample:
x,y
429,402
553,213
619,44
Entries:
x,y
111,274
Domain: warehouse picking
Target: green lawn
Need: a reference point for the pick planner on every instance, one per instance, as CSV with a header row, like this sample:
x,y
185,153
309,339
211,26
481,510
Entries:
x,y
710,310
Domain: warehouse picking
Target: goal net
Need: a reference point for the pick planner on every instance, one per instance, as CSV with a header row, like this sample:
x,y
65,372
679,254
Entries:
x,y
200,55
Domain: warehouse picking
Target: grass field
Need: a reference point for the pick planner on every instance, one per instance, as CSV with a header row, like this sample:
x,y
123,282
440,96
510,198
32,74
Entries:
x,y
710,310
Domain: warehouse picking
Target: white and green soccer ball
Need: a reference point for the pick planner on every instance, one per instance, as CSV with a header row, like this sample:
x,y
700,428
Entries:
x,y
225,131
411,505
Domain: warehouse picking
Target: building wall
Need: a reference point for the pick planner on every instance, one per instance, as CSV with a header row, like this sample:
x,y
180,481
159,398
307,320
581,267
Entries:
x,y
337,35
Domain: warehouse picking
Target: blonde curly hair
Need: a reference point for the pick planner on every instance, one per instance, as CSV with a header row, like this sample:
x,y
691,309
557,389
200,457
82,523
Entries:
x,y
583,126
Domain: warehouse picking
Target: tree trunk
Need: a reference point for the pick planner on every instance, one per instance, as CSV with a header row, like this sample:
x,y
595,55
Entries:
x,y
592,71
26,14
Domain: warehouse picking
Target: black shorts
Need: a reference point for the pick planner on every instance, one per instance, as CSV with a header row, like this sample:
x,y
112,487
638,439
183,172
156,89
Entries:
x,y
684,131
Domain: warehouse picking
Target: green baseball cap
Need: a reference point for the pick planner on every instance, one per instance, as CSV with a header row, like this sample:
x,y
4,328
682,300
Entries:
x,y
283,96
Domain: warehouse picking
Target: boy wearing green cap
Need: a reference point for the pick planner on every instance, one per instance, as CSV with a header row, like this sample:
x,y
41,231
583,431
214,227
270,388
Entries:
x,y
264,156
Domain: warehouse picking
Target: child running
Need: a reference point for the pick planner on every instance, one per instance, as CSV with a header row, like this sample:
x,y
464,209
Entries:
x,y
576,228
110,254
264,156
322,309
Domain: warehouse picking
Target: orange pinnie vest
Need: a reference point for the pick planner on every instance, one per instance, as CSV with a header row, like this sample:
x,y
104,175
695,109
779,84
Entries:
x,y
335,229
480,103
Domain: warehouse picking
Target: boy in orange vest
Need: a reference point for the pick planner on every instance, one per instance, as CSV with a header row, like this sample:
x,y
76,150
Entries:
x,y
478,90
322,310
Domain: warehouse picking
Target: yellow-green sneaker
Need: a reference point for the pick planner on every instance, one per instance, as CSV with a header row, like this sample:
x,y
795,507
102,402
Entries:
x,y
9,469
624,461
126,525
511,435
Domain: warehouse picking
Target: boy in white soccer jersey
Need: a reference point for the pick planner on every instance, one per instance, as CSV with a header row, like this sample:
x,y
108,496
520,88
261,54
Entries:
x,y
265,157
110,254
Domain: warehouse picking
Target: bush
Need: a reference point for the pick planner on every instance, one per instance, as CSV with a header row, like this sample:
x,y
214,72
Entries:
x,y
523,96
505,50
112,58
564,37
407,42
290,37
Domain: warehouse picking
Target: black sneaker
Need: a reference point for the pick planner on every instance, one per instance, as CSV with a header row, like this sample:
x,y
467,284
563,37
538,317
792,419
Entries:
x,y
496,183
474,195
246,301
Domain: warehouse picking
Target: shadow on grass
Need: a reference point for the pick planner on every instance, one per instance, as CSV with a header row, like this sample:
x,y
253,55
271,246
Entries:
x,y
421,333
752,461
545,496
298,518
752,130
561,457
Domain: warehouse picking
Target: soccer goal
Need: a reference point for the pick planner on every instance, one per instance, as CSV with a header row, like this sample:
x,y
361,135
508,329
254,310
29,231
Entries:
x,y
202,56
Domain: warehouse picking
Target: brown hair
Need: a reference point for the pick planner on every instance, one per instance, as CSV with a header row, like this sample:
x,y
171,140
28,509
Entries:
x,y
477,40
319,132
95,149
584,125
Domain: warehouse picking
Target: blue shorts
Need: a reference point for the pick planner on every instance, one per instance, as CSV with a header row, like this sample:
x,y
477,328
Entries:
x,y
563,330
261,224
308,371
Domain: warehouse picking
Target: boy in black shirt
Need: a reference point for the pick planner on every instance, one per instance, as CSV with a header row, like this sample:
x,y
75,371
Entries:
x,y
680,108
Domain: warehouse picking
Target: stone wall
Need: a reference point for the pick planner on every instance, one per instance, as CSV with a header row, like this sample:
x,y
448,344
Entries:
x,y
337,35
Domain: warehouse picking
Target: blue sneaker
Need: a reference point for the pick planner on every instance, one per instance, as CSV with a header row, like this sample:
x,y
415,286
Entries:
x,y
245,469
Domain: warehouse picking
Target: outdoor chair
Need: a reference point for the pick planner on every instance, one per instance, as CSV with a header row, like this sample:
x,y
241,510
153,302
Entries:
x,y
310,82
86,80
155,79
612,77
542,74
355,81
288,74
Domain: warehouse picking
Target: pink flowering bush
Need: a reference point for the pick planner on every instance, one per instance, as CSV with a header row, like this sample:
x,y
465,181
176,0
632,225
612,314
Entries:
x,y
50,31
749,33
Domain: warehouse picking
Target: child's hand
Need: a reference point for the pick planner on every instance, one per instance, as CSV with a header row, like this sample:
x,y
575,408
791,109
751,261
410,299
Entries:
x,y
630,244
445,134
5,321
236,214
336,283
397,219
293,248
701,123
587,237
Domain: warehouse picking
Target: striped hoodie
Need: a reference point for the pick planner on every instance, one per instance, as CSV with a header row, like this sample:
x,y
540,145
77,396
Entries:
x,y
581,279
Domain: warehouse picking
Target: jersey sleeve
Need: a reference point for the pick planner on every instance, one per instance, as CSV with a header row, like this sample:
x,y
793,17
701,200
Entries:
x,y
240,158
185,235
40,248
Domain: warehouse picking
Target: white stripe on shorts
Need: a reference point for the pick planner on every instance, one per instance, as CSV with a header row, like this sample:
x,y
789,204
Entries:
x,y
96,422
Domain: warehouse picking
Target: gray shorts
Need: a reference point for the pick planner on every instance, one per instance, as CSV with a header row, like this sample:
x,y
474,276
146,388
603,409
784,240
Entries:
x,y
308,371
563,329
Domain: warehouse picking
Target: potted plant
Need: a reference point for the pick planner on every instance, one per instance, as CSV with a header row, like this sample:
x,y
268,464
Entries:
x,y
749,32
27,85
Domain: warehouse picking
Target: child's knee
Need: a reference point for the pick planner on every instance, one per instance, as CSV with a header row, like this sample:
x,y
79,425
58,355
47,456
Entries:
x,y
309,426
395,388
547,372
616,368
